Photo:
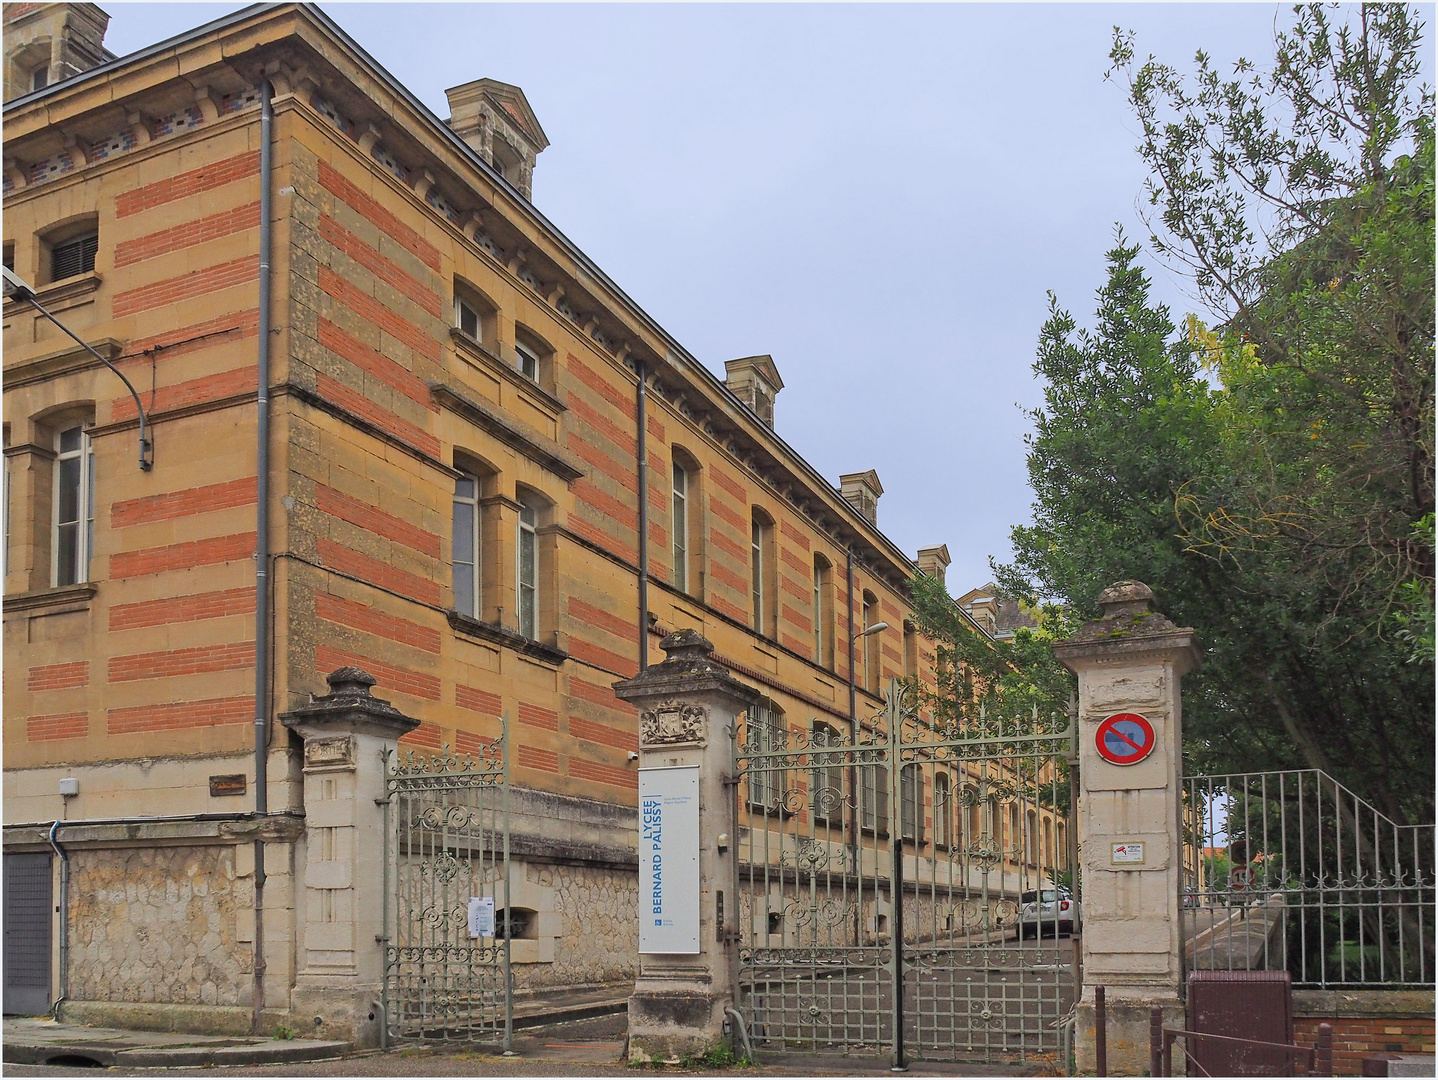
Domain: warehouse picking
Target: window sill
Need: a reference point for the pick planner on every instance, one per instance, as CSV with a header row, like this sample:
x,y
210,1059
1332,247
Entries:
x,y
478,354
65,597
59,294
499,635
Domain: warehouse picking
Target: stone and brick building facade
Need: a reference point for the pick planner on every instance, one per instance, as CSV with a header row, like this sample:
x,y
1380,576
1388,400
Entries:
x,y
454,498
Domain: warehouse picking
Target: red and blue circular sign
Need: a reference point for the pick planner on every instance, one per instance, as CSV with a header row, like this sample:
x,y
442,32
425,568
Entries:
x,y
1125,738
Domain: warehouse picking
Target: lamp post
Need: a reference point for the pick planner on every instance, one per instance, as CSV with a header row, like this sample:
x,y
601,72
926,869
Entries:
x,y
18,288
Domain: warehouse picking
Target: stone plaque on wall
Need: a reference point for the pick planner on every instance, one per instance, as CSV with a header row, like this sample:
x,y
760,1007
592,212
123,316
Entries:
x,y
335,751
674,723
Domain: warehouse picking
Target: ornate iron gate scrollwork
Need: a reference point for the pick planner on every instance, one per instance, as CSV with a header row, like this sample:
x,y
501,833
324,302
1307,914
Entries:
x,y
447,842
832,924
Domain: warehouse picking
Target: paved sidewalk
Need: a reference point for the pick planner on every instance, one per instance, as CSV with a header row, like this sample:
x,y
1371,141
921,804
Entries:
x,y
44,1042
546,1046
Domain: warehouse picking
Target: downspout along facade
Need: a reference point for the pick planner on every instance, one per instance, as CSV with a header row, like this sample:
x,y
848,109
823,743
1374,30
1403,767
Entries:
x,y
64,910
262,545
642,474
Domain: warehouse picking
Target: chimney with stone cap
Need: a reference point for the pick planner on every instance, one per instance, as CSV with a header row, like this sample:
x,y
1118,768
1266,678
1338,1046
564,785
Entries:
x,y
495,119
861,490
933,561
755,381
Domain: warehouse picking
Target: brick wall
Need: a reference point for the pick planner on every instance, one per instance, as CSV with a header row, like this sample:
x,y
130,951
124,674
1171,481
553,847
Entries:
x,y
1365,1023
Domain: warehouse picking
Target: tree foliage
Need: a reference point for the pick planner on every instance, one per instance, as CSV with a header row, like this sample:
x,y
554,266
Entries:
x,y
1267,469
1130,434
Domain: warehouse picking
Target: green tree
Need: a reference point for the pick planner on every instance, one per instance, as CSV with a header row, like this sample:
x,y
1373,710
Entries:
x,y
1300,198
1129,430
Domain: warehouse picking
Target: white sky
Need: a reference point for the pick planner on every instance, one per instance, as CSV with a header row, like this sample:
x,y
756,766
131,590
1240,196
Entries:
x,y
878,195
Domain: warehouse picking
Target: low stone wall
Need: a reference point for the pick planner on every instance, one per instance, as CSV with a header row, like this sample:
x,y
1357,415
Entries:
x,y
159,925
588,927
1365,1023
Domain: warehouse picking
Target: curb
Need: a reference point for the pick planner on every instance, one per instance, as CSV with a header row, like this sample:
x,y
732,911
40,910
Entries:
x,y
22,1053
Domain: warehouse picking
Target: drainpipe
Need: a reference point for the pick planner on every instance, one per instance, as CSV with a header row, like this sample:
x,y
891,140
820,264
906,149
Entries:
x,y
64,921
854,742
262,545
640,413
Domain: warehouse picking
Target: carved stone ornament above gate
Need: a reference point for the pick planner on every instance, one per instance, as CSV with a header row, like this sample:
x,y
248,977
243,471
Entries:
x,y
674,723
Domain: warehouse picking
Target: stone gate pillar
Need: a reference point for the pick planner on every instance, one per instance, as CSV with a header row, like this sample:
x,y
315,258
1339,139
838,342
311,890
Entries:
x,y
1130,661
688,708
349,737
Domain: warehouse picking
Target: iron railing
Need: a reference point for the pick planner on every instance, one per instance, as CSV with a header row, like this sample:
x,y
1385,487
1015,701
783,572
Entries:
x,y
893,881
1291,870
447,845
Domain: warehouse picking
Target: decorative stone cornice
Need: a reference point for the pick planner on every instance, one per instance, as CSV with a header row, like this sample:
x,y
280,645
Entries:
x,y
538,448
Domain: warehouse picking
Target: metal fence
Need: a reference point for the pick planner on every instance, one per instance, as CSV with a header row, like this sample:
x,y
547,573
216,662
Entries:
x,y
903,885
1291,870
447,845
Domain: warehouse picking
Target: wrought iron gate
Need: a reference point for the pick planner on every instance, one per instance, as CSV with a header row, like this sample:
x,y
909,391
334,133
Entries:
x,y
447,843
966,825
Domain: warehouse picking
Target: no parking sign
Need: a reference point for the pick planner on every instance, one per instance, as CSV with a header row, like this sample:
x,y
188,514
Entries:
x,y
1125,738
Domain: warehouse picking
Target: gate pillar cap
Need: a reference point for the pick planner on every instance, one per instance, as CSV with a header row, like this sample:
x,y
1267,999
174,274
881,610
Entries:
x,y
689,667
350,706
1129,626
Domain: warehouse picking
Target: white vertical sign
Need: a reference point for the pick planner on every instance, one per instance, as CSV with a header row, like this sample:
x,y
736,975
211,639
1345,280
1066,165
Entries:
x,y
669,860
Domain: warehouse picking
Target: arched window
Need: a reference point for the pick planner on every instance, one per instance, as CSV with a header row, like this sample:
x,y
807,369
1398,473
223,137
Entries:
x,y
874,798
823,613
826,778
761,534
679,526
911,650
1031,838
475,316
867,619
1048,856
764,733
533,357
527,565
465,549
74,523
911,803
1014,838
943,811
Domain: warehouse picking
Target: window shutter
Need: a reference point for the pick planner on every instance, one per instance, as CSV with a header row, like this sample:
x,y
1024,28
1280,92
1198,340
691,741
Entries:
x,y
75,256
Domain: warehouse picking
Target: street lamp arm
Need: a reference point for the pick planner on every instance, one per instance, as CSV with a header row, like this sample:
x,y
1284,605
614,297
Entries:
x,y
17,288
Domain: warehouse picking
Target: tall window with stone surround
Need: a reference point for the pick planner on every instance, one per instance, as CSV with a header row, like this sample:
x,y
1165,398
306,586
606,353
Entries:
x,y
466,545
943,810
871,642
760,532
74,530
823,614
527,563
679,524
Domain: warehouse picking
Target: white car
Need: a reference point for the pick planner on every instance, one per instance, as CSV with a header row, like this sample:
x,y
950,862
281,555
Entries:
x,y
1048,911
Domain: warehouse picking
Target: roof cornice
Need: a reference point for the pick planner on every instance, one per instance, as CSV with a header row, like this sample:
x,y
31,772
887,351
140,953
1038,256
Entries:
x,y
676,354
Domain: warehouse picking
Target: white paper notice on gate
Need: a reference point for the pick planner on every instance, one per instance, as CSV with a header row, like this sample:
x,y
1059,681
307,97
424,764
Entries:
x,y
481,916
669,860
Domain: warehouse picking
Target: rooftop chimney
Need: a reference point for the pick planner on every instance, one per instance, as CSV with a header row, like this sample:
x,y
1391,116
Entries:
x,y
933,561
862,490
755,381
496,120
45,43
